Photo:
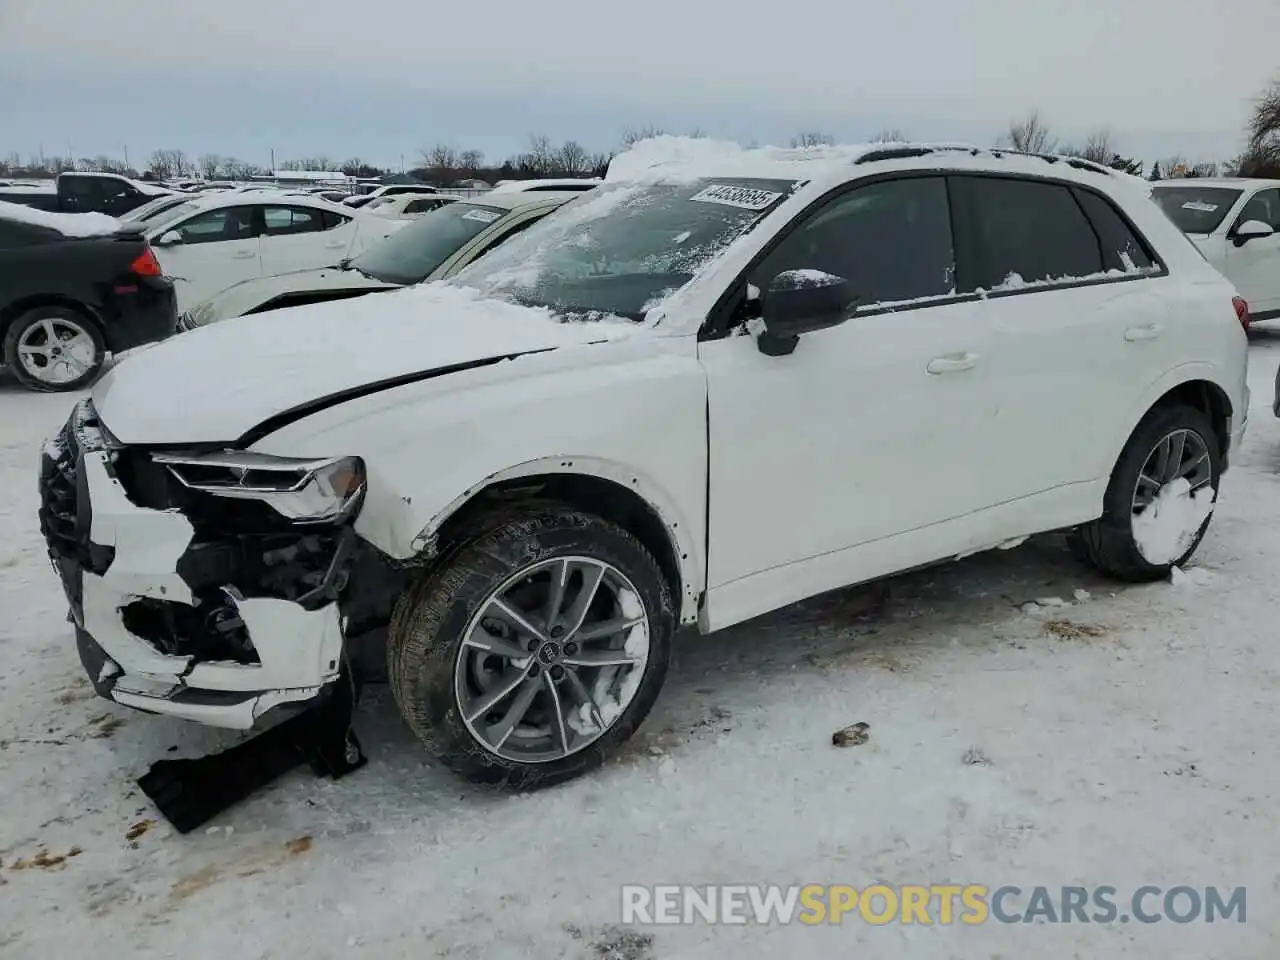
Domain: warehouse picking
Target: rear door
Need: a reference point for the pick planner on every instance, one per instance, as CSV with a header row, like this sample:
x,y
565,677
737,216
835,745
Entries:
x,y
1253,265
301,238
1068,344
215,249
79,194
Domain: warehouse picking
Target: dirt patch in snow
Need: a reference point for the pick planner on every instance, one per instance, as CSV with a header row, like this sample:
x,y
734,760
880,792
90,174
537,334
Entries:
x,y
614,943
1069,630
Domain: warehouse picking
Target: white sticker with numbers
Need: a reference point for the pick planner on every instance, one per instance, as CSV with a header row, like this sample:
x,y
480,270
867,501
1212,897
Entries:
x,y
748,198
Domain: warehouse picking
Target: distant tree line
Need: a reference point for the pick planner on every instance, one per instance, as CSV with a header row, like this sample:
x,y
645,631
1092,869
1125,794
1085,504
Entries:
x,y
446,164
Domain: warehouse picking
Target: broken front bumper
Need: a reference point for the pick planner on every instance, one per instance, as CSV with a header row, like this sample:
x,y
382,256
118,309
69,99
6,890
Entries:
x,y
169,618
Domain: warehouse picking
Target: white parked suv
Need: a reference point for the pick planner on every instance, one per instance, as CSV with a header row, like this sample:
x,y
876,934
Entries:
x,y
1236,225
723,381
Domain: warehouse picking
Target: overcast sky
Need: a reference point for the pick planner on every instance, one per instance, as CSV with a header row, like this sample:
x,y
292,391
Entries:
x,y
380,79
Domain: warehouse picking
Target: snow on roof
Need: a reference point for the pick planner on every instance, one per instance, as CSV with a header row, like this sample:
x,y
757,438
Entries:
x,y
694,158
67,224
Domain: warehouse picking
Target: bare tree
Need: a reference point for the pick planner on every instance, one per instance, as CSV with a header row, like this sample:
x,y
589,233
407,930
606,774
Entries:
x,y
698,133
470,162
235,169
441,160
1261,157
170,163
1174,166
572,158
210,165
812,138
890,135
1097,148
1028,135
600,163
633,135
541,158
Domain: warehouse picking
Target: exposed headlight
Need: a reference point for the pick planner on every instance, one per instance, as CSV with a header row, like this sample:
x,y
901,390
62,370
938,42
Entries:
x,y
305,491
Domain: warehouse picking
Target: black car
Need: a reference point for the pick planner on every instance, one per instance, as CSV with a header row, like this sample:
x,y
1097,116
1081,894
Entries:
x,y
107,193
71,292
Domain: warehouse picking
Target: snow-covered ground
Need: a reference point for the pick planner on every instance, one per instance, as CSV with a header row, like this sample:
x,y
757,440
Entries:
x,y
1122,736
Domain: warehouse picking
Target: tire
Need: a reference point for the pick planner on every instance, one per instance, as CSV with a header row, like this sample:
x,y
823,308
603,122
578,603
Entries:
x,y
72,330
1109,543
438,676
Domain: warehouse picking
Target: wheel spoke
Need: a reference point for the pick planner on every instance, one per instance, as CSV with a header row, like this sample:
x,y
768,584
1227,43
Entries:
x,y
558,720
555,594
503,729
1162,452
600,658
50,335
496,695
606,628
584,697
482,639
1177,446
591,577
505,611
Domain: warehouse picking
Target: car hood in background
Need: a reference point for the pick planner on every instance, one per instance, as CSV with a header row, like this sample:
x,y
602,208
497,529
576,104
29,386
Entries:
x,y
253,294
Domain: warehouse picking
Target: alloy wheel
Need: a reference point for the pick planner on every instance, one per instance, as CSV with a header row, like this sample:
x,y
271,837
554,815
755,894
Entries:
x,y
56,351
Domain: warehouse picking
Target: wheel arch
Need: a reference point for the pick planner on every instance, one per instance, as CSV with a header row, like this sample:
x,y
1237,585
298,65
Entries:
x,y
12,311
610,490
1195,385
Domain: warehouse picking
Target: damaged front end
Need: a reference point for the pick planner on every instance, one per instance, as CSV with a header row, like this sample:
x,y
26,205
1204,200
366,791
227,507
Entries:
x,y
211,586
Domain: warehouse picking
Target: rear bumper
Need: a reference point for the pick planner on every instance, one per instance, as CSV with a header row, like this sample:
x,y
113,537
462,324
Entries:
x,y
144,315
113,556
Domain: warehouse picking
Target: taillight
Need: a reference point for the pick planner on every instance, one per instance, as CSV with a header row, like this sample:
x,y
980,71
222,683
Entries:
x,y
1242,311
146,265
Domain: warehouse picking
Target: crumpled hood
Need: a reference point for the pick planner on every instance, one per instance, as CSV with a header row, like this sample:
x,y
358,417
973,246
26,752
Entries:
x,y
214,384
239,298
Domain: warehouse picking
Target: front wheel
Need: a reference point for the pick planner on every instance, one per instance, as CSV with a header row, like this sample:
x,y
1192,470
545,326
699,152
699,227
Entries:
x,y
54,349
535,650
1160,498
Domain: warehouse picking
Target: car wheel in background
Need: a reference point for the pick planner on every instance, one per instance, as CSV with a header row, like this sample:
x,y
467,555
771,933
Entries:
x,y
54,348
533,651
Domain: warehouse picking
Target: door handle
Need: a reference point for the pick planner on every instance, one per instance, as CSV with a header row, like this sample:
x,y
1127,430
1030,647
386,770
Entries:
x,y
1146,332
244,254
953,363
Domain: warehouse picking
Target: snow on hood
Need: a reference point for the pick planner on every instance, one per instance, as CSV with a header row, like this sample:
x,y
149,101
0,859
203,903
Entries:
x,y
67,224
213,384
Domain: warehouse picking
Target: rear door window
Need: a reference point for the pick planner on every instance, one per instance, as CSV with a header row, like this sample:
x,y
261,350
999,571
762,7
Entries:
x,y
285,221
1025,231
1122,249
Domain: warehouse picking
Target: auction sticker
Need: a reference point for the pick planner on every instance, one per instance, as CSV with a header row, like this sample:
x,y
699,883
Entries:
x,y
748,198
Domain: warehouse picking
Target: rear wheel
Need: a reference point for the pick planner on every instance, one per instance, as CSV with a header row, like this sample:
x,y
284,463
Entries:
x,y
1160,498
54,349
536,650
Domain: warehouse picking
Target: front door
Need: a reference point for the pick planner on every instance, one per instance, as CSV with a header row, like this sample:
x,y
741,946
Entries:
x,y
213,250
1254,266
868,429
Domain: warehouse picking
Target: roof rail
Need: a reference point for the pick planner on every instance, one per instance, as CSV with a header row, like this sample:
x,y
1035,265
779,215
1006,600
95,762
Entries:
x,y
907,151
1077,162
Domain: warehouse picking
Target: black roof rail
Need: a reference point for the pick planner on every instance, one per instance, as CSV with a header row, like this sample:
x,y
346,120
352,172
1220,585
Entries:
x,y
1077,162
912,150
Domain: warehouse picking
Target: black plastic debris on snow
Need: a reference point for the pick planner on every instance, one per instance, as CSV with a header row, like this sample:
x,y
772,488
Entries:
x,y
190,793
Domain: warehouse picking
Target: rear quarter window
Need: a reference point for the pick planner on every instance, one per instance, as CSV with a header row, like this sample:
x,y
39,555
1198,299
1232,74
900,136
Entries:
x,y
1122,248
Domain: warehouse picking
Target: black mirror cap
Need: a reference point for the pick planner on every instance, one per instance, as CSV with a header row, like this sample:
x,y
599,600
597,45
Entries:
x,y
801,301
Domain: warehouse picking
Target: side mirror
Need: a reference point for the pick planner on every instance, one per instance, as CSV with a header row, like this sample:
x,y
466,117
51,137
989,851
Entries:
x,y
801,301
1251,230
168,239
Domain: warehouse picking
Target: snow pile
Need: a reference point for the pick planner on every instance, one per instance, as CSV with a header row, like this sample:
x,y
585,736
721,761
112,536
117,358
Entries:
x,y
67,224
1165,530
698,157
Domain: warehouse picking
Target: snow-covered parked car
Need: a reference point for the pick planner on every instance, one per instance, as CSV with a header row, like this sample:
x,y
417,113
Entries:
x,y
405,206
217,239
438,245
1236,225
722,382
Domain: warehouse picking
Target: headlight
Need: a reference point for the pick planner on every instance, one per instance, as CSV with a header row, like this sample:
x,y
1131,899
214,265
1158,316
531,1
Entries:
x,y
305,491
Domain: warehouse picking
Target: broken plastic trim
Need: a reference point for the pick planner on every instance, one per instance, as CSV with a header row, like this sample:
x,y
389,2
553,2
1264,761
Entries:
x,y
293,414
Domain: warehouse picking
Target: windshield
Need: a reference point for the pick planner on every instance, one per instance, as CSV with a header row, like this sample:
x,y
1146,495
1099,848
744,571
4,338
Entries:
x,y
166,217
1196,209
410,254
622,248
151,209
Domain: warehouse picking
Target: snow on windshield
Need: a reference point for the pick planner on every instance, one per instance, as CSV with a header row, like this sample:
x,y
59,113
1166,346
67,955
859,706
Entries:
x,y
67,224
623,248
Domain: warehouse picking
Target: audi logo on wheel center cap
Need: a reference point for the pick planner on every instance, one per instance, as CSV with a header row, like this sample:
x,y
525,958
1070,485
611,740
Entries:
x,y
548,653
